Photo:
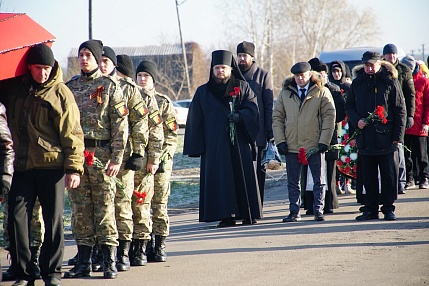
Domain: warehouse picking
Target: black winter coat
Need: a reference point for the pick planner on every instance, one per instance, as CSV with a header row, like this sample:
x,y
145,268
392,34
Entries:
x,y
365,94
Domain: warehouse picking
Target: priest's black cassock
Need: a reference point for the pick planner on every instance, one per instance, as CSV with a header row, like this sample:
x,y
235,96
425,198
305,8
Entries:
x,y
222,186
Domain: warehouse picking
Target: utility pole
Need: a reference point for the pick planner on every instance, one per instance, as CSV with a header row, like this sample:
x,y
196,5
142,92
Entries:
x,y
183,51
90,20
423,52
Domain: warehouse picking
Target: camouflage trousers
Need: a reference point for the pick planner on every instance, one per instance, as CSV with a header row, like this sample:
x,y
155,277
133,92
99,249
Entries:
x,y
143,182
123,210
161,225
36,224
93,204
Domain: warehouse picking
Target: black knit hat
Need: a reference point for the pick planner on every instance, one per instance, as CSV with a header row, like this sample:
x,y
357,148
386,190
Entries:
x,y
390,49
95,46
110,53
318,65
149,67
221,57
247,48
125,65
40,54
300,67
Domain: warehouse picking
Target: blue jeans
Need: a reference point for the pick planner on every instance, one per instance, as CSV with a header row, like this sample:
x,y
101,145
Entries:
x,y
293,168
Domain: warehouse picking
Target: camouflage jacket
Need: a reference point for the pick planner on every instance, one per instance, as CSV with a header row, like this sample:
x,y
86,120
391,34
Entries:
x,y
138,118
103,111
170,126
156,134
45,124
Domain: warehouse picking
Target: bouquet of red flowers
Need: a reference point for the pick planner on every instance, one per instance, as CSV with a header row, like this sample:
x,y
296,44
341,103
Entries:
x,y
347,160
379,114
139,192
303,155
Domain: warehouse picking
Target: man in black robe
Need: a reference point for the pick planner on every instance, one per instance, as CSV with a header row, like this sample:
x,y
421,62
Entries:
x,y
225,141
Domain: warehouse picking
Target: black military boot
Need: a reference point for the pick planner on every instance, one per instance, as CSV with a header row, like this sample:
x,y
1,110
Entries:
x,y
74,260
139,252
109,261
83,267
123,258
160,255
35,253
150,249
97,258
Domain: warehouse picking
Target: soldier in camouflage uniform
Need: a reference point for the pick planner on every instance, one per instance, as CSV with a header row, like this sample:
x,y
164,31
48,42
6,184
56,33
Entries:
x,y
137,142
105,127
144,179
161,189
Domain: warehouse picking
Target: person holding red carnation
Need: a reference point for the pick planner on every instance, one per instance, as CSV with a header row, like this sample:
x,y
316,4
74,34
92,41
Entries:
x,y
375,91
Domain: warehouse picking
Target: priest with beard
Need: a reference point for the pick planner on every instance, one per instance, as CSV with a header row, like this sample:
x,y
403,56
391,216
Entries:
x,y
221,129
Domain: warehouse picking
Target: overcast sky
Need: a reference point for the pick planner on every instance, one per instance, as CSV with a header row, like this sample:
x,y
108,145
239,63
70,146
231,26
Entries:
x,y
153,22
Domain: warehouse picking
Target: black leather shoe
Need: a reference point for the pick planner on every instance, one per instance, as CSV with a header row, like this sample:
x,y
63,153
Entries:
x,y
226,222
367,216
309,212
389,216
53,282
319,217
247,221
9,275
292,217
21,282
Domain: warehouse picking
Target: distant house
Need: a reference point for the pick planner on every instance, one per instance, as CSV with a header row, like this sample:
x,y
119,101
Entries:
x,y
169,59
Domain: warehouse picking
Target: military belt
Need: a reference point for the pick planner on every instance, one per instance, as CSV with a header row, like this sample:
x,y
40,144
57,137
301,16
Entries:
x,y
96,143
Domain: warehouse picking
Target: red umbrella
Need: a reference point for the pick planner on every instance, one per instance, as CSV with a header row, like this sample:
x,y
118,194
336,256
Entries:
x,y
18,33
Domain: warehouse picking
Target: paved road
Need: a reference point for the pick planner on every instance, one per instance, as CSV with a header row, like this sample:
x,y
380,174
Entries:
x,y
339,251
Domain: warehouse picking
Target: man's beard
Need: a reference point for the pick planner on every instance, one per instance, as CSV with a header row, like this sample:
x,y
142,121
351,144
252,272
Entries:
x,y
244,66
221,80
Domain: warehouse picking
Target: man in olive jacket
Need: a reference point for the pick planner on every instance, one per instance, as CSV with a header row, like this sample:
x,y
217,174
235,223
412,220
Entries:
x,y
44,121
304,117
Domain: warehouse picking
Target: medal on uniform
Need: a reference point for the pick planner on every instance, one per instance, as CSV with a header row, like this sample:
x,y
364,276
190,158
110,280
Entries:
x,y
98,94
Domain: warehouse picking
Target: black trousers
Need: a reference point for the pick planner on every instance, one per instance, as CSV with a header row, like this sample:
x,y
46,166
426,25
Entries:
x,y
260,173
418,155
48,186
388,166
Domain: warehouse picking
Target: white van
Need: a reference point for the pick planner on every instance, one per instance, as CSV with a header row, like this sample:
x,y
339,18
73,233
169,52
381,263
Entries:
x,y
352,56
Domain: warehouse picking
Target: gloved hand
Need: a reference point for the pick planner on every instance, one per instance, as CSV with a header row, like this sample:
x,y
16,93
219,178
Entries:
x,y
323,148
282,148
410,122
135,162
269,135
235,117
4,187
425,128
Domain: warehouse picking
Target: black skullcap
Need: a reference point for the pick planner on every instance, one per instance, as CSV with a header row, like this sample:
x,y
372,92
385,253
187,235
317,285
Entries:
x,y
318,65
300,67
371,57
109,53
125,65
221,57
390,49
40,54
247,48
149,67
336,66
95,46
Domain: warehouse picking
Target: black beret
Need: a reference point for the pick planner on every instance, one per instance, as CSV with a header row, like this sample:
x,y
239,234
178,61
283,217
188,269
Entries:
x,y
221,57
40,54
149,67
109,53
318,65
371,57
247,48
390,49
95,46
300,67
125,65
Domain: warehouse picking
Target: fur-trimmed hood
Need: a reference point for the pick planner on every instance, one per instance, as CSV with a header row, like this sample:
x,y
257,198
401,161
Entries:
x,y
316,79
389,70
